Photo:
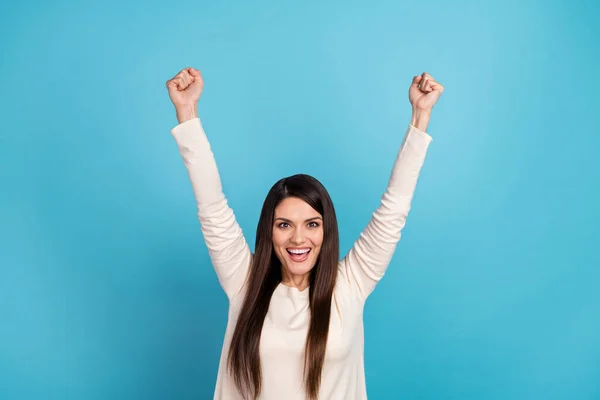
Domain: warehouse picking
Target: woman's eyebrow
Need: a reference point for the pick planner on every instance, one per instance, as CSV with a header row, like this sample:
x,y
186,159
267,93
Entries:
x,y
308,220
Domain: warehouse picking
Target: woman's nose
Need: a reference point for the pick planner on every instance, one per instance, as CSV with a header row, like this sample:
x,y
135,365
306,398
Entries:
x,y
298,236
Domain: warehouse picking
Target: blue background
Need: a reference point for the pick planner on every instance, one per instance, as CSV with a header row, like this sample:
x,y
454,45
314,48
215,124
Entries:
x,y
106,289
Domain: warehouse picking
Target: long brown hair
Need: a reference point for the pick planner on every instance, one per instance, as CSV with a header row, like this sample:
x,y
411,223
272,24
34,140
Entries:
x,y
265,275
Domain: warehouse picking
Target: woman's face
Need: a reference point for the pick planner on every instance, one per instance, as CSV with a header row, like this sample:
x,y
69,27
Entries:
x,y
297,236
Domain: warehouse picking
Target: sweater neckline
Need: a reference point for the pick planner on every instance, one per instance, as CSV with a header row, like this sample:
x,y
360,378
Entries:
x,y
292,291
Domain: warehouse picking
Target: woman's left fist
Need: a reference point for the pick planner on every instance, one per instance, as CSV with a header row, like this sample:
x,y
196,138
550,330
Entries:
x,y
424,92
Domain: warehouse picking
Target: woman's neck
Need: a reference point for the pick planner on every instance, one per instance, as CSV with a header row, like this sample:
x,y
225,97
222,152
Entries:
x,y
299,282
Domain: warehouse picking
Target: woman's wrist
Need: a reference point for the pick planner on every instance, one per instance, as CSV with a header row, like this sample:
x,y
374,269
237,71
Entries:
x,y
420,119
186,113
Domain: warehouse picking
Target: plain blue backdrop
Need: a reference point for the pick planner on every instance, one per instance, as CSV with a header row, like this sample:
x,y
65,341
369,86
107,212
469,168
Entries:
x,y
106,288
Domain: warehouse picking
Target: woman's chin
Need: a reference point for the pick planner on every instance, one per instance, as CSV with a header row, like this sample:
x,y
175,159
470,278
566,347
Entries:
x,y
299,268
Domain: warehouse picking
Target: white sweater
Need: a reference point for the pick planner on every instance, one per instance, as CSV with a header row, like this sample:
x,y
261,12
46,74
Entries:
x,y
286,324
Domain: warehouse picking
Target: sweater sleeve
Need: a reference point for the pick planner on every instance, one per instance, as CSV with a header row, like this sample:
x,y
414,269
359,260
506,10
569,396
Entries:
x,y
367,260
227,247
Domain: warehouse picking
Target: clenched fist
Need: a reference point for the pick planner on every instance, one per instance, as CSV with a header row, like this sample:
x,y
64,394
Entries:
x,y
424,92
185,89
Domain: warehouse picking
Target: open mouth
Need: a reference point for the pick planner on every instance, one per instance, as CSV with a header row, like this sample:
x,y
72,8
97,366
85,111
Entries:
x,y
298,255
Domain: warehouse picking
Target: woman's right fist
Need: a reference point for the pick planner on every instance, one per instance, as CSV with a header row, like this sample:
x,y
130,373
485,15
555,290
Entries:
x,y
185,88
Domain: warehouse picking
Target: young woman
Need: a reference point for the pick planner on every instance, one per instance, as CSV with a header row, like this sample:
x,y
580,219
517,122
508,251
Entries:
x,y
295,328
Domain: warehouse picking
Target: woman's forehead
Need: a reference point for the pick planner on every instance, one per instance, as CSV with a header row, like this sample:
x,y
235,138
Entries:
x,y
294,208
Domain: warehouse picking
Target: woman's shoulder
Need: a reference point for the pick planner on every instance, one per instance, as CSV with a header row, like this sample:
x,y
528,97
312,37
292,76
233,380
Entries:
x,y
346,287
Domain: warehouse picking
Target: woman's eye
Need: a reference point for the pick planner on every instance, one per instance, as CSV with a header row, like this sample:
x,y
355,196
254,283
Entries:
x,y
313,224
283,225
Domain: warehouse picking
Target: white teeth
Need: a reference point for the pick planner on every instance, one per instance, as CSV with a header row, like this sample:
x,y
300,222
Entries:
x,y
294,251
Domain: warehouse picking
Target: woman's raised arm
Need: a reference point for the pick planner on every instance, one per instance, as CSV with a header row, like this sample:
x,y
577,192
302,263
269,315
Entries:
x,y
368,259
227,247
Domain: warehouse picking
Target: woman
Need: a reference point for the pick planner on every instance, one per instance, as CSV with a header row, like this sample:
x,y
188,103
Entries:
x,y
295,327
